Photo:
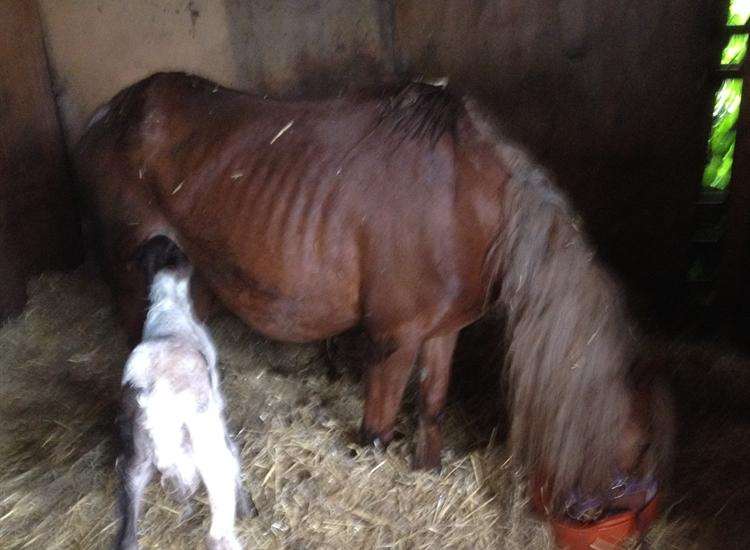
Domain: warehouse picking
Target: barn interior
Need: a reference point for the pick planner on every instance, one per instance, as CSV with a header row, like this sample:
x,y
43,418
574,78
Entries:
x,y
635,107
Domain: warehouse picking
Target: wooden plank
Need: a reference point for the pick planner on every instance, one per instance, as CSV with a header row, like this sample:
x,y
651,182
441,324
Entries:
x,y
38,223
728,71
737,29
733,299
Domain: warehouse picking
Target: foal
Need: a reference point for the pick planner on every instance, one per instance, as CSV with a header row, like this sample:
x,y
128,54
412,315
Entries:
x,y
172,407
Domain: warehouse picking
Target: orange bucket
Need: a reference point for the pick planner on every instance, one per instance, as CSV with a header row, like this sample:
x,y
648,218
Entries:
x,y
610,532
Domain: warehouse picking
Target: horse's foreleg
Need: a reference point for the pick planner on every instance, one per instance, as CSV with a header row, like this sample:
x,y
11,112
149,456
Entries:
x,y
434,378
131,312
385,384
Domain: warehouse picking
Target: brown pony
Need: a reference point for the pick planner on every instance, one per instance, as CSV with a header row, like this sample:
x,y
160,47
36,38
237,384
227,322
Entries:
x,y
401,211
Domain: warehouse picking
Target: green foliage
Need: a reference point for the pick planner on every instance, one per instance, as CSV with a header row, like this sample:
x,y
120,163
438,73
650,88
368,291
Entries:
x,y
721,143
718,171
739,10
734,53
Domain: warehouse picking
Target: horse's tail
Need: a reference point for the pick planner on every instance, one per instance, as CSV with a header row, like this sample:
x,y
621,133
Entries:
x,y
570,338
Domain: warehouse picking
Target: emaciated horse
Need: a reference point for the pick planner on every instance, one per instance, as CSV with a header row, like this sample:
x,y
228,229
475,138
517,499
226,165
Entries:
x,y
403,212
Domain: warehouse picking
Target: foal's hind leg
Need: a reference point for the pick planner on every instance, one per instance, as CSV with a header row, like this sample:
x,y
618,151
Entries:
x,y
245,504
136,469
385,384
219,469
434,378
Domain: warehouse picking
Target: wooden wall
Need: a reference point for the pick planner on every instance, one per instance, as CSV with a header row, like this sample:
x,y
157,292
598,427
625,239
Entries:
x,y
38,223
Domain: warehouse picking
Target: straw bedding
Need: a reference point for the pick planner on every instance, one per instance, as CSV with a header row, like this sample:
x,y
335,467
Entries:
x,y
60,367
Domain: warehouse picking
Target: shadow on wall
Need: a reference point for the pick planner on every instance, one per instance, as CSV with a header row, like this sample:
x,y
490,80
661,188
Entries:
x,y
290,48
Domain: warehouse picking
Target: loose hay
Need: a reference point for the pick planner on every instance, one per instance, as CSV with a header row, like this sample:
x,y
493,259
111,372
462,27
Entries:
x,y
60,368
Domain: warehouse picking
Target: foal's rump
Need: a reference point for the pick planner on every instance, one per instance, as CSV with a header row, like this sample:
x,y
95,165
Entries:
x,y
176,365
176,401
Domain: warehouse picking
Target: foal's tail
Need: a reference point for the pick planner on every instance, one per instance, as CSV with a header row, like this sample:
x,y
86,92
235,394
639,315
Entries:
x,y
570,338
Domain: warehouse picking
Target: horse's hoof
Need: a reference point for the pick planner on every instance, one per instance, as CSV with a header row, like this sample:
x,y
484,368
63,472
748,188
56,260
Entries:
x,y
428,464
373,439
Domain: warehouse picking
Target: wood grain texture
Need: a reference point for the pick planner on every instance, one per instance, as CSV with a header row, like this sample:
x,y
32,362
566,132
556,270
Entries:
x,y
38,223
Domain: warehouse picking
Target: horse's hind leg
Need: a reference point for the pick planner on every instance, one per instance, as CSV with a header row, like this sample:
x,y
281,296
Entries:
x,y
434,378
385,384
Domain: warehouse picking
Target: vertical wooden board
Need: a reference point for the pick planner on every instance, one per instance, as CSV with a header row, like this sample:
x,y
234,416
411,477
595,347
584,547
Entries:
x,y
38,222
734,275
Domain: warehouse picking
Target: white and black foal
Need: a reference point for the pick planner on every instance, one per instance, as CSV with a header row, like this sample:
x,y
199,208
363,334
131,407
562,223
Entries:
x,y
172,410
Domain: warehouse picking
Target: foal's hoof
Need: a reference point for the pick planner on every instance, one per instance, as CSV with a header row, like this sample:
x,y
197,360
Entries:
x,y
333,373
224,543
187,513
246,507
126,545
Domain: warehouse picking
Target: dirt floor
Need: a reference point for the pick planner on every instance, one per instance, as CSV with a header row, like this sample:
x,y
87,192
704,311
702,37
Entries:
x,y
60,365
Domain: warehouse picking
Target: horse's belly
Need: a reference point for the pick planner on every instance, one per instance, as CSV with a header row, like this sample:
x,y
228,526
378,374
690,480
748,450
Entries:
x,y
292,319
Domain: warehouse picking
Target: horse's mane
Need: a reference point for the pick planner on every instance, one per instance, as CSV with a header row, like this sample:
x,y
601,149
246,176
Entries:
x,y
571,341
419,111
